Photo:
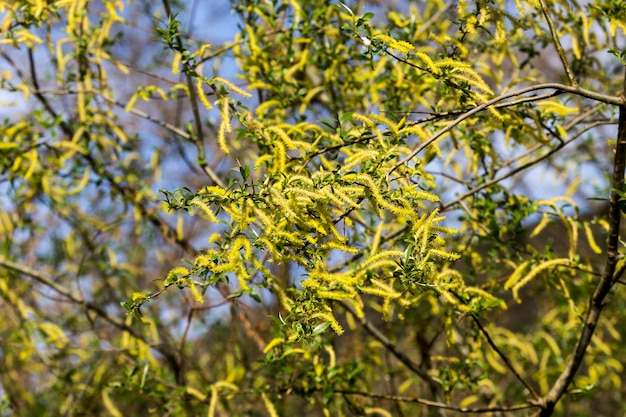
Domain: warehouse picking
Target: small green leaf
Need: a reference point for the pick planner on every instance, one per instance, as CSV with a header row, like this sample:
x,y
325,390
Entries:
x,y
346,116
349,10
320,328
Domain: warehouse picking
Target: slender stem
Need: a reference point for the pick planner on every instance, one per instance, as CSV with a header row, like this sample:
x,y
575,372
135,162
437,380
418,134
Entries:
x,y
51,283
193,99
374,331
124,190
434,404
502,356
519,169
557,44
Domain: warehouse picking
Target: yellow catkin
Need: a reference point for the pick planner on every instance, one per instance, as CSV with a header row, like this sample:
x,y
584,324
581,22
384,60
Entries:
x,y
221,137
203,97
205,209
269,406
176,63
590,238
225,115
194,291
212,402
232,87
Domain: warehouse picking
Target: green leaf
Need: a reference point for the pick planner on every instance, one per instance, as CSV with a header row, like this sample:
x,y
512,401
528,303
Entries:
x,y
346,116
320,328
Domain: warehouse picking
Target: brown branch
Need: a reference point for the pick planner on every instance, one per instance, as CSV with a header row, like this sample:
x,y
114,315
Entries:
x,y
616,100
597,301
126,193
435,404
198,139
502,356
557,44
517,170
50,283
391,347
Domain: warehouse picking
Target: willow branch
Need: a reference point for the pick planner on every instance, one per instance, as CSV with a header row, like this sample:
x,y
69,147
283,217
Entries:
x,y
50,283
502,356
606,283
435,404
193,100
557,44
562,88
520,168
391,347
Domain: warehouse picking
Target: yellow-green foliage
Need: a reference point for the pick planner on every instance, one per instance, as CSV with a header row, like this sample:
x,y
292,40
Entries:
x,y
354,189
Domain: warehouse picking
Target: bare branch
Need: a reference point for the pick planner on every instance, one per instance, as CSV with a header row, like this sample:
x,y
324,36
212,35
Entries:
x,y
520,168
435,404
502,356
193,99
391,347
557,44
50,283
606,283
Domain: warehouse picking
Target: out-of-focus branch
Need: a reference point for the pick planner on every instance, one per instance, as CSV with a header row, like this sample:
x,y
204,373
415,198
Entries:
x,y
435,387
502,356
435,404
50,283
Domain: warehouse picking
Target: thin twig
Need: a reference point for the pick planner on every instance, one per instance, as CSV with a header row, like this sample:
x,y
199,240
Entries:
x,y
198,139
127,193
557,44
502,356
424,28
206,168
616,100
59,289
391,347
435,404
517,170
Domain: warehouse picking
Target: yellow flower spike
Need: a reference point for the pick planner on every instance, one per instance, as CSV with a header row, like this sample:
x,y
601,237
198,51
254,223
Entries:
x,y
181,270
269,406
232,87
202,95
381,119
138,296
221,137
194,290
212,402
382,255
379,292
283,136
176,63
429,63
449,256
357,158
400,46
131,102
372,126
205,209
273,343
